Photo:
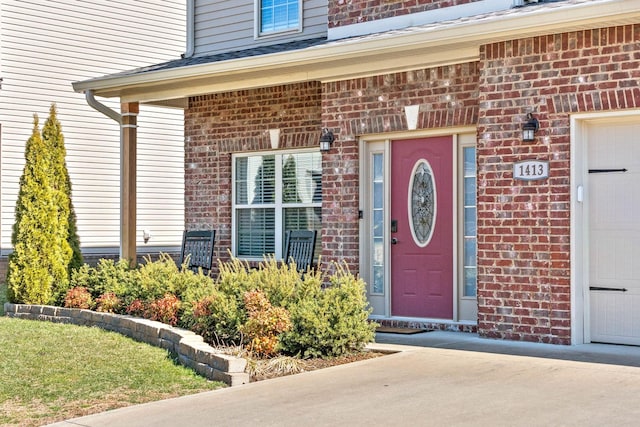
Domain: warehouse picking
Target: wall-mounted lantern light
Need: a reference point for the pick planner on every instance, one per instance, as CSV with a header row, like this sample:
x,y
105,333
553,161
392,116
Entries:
x,y
530,128
326,139
146,235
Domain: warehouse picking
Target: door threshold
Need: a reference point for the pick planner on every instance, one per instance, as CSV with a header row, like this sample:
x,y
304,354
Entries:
x,y
427,324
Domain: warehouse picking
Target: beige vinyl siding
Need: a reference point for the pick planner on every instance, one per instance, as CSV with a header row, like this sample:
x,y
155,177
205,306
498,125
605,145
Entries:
x,y
223,26
45,45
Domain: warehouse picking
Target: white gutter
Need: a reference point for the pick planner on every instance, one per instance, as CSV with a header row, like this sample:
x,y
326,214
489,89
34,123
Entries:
x,y
191,31
97,105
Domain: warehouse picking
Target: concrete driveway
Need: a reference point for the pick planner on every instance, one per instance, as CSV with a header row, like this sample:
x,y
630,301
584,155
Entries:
x,y
442,379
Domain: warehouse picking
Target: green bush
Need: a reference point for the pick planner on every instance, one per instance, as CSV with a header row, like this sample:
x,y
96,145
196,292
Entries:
x,y
157,278
108,276
217,318
235,278
324,322
270,308
331,321
149,282
276,280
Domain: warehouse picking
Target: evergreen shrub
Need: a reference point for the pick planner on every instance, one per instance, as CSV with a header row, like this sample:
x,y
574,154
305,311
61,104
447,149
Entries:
x,y
251,306
108,276
38,266
216,317
219,316
54,141
154,279
269,309
330,321
145,284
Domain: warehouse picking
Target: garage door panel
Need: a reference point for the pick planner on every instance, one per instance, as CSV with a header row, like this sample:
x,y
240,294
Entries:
x,y
614,233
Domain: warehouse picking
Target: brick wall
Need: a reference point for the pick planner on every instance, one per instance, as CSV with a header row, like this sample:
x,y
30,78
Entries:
x,y
343,12
447,97
218,125
524,227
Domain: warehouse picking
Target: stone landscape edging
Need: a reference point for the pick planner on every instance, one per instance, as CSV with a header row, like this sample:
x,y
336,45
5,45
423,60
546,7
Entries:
x,y
190,348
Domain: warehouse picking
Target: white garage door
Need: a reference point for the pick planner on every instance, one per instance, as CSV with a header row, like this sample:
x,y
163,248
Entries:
x,y
614,233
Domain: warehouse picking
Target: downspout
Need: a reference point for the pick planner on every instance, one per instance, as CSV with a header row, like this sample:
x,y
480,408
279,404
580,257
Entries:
x,y
112,114
94,103
191,31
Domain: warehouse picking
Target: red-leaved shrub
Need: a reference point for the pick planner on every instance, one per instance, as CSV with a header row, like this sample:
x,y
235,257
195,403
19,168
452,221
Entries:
x,y
136,308
108,303
264,324
165,309
78,297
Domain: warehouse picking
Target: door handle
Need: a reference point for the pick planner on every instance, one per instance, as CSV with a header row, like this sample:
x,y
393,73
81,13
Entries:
x,y
603,288
394,241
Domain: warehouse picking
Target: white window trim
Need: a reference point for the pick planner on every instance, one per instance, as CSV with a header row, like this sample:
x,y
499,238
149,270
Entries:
x,y
257,34
462,236
278,205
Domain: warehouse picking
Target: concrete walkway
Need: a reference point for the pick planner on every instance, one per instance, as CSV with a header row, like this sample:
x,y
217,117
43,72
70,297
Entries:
x,y
436,379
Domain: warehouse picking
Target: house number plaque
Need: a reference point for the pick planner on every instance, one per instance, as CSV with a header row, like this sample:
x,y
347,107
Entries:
x,y
531,170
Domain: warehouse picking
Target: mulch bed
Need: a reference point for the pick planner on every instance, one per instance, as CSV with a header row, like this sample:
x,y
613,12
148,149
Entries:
x,y
319,363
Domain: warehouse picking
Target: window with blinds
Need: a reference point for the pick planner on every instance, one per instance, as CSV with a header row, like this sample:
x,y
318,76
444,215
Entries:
x,y
274,193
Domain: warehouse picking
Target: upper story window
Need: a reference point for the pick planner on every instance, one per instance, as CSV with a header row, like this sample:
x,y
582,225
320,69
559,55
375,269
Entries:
x,y
276,16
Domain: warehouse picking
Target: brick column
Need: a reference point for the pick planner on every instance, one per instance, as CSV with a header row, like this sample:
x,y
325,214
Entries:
x,y
129,136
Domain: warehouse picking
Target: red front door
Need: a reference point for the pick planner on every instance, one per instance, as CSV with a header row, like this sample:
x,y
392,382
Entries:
x,y
422,228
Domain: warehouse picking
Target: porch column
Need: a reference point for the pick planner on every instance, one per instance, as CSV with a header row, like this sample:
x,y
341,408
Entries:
x,y
129,135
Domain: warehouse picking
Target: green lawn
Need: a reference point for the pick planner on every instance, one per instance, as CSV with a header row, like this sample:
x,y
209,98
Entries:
x,y
51,372
3,297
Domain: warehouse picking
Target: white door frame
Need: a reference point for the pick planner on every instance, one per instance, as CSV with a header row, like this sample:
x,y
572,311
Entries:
x,y
385,141
580,302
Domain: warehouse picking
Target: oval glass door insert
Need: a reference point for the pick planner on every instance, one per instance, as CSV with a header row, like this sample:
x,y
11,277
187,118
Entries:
x,y
422,203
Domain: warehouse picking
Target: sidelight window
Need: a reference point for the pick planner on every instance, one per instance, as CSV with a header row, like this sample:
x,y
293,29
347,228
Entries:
x,y
469,228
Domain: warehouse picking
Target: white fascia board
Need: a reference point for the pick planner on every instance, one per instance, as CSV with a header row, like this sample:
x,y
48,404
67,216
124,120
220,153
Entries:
x,y
337,68
417,47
